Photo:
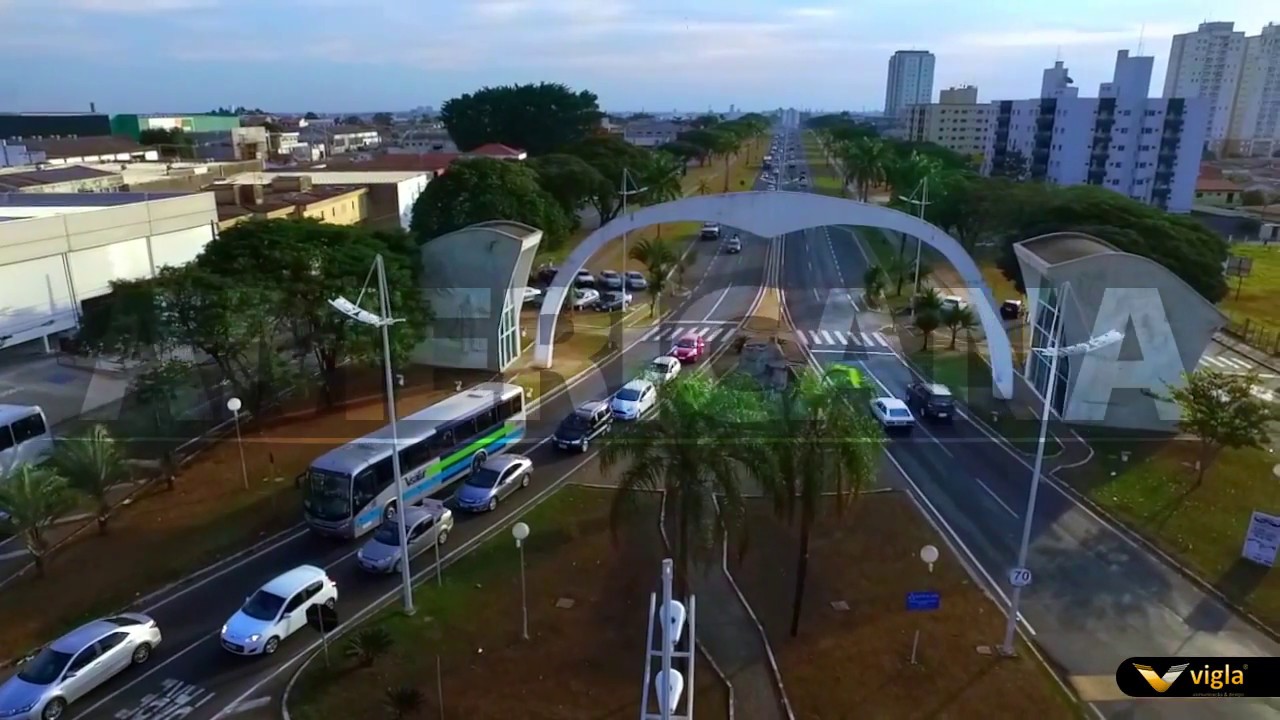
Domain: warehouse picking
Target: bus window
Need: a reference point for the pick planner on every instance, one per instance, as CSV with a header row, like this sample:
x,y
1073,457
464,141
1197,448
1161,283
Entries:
x,y
442,443
366,487
416,455
486,420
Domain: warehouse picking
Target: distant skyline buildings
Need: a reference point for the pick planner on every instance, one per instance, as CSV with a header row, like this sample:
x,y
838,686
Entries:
x,y
910,80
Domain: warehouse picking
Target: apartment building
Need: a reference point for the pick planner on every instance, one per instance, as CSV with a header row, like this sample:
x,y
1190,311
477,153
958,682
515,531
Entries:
x,y
340,139
290,197
957,122
1238,76
910,80
650,133
1148,149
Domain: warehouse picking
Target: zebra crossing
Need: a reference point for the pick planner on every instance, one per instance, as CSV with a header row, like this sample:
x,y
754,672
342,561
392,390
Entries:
x,y
709,333
1220,362
842,339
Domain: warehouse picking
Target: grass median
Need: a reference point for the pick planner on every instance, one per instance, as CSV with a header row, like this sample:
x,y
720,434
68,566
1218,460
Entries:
x,y
588,600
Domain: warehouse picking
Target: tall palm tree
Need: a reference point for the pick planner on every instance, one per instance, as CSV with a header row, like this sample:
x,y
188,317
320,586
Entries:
x,y
874,281
31,499
92,465
824,444
661,180
957,318
865,162
660,258
690,451
926,321
929,300
897,267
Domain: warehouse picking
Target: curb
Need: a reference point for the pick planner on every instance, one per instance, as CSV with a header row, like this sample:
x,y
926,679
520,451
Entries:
x,y
1141,541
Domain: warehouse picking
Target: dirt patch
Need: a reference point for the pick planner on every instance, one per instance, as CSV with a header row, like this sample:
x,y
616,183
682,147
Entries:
x,y
579,662
856,662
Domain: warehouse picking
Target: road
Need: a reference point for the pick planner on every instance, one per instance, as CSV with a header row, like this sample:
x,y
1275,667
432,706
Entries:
x,y
192,677
1097,598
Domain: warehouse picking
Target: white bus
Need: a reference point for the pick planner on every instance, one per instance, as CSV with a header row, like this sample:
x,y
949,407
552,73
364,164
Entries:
x,y
351,489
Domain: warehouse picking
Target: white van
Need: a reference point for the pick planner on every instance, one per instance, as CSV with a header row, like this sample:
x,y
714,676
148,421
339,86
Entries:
x,y
24,436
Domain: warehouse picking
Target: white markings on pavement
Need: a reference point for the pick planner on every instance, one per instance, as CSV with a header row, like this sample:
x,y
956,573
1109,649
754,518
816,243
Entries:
x,y
1222,361
176,700
248,705
996,497
839,339
708,333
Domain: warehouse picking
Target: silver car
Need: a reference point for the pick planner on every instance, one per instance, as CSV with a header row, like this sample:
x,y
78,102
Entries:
x,y
497,478
425,526
76,663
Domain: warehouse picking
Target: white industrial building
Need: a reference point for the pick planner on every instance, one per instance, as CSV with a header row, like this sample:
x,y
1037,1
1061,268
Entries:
x,y
59,250
392,193
1238,76
910,80
1148,149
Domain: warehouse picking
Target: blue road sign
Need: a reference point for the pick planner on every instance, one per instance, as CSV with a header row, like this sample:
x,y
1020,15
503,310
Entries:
x,y
924,600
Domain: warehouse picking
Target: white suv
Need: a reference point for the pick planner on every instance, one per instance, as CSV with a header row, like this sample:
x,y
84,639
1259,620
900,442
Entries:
x,y
277,610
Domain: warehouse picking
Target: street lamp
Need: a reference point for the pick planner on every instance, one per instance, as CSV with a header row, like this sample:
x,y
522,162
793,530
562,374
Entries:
x,y
520,531
234,406
923,189
1020,576
384,321
625,193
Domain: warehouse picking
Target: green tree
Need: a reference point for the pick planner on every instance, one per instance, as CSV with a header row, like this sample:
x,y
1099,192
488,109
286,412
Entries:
x,y
905,176
686,151
820,445
1222,412
926,321
92,465
874,282
383,119
480,189
864,163
1012,165
352,120
311,116
31,499
691,450
570,180
660,179
539,119
705,140
610,156
899,267
404,702
660,258
958,318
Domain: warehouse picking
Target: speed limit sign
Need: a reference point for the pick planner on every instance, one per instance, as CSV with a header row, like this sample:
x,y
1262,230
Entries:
x,y
1019,577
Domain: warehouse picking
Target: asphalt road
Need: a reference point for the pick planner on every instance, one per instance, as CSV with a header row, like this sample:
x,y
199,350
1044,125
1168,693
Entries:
x,y
193,678
1096,598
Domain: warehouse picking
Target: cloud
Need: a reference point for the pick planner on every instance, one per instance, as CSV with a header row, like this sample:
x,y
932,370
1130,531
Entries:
x,y
136,7
1055,37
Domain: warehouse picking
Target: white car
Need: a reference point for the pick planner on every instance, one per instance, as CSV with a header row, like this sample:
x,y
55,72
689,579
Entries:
x,y
892,414
634,399
662,369
529,294
953,302
584,298
277,610
75,664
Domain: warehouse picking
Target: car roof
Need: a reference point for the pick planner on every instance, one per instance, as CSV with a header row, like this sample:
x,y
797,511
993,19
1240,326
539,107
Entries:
x,y
936,388
892,403
608,272
76,640
293,580
635,272
430,508
502,462
665,360
638,384
591,406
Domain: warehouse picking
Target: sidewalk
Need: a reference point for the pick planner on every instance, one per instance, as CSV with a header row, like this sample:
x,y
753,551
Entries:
x,y
1259,357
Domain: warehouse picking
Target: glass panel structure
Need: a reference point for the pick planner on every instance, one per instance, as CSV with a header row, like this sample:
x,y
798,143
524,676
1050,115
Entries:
x,y
508,331
1046,316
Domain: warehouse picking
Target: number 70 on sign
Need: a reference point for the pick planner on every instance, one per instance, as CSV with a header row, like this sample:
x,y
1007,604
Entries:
x,y
1020,577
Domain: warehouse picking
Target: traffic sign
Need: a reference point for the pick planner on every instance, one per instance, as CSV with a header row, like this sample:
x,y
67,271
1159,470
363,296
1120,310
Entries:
x,y
924,600
1019,577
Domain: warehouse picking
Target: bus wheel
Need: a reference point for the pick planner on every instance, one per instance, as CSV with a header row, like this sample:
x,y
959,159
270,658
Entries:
x,y
389,513
478,459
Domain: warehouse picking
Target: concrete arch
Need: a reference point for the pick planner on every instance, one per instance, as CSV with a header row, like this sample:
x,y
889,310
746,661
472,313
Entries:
x,y
770,214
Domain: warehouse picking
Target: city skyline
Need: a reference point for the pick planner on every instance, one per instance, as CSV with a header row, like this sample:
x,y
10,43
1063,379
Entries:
x,y
754,54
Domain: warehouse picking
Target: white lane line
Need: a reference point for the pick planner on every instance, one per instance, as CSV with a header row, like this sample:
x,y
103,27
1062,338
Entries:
x,y
840,337
996,497
13,554
715,333
880,338
651,335
1237,362
866,340
1210,360
248,705
826,338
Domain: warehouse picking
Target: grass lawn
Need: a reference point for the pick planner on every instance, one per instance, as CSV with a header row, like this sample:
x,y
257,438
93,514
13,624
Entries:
x,y
856,662
580,662
824,178
1258,292
208,515
1154,493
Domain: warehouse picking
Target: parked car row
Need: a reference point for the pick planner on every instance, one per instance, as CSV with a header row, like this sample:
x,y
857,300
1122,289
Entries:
x,y
607,279
584,298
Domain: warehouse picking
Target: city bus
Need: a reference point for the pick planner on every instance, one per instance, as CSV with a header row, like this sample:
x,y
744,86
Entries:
x,y
351,489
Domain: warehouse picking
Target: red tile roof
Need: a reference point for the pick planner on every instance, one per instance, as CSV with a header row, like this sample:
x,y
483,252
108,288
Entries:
x,y
1211,184
1209,171
497,150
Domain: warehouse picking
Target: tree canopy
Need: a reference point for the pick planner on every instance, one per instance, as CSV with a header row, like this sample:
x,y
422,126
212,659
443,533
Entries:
x,y
481,189
570,180
538,118
610,155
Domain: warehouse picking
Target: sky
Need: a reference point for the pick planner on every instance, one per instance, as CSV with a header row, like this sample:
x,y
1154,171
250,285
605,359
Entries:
x,y
654,55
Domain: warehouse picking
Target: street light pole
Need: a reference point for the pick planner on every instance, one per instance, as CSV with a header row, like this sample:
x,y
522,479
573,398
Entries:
x,y
520,531
923,190
625,193
234,406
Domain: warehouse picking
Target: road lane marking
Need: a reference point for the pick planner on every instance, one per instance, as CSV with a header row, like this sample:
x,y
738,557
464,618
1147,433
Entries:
x,y
996,497
248,705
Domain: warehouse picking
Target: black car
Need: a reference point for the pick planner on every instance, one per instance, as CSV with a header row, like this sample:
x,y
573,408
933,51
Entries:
x,y
545,275
588,422
610,302
931,400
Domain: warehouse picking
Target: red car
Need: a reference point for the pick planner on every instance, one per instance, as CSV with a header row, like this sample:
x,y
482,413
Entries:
x,y
689,349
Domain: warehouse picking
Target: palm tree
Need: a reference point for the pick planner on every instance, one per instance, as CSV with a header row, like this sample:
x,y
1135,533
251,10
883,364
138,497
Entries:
x,y
366,646
31,499
957,318
661,181
865,162
926,321
660,258
824,445
906,174
929,301
92,465
897,267
692,453
874,281
703,187
404,701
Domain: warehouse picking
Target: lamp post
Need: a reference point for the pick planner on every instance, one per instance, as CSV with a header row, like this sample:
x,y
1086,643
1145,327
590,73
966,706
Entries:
x,y
383,320
234,405
923,190
1054,351
520,531
627,180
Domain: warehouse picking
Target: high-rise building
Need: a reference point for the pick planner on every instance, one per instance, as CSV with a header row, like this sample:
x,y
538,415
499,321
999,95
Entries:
x,y
1148,149
1057,83
1255,120
910,80
1207,64
957,122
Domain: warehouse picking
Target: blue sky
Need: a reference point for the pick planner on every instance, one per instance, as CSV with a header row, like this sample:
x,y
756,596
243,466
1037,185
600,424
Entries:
x,y
335,55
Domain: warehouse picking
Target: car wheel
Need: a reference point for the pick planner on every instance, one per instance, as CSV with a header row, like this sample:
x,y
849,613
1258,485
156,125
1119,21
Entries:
x,y
524,481
389,512
331,603
442,538
493,504
273,644
141,654
54,709
478,459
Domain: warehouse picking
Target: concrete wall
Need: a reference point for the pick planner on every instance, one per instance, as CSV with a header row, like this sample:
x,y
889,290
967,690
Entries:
x,y
469,278
50,264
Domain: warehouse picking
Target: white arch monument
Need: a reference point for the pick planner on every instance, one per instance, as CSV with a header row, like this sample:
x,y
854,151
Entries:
x,y
774,213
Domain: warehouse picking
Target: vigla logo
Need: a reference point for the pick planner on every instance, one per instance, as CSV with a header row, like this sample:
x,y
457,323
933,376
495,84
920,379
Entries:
x,y
1199,677
1160,683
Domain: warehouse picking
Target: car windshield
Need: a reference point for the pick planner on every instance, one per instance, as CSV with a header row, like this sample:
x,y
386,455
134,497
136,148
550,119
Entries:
x,y
263,605
634,274
613,296
388,534
898,413
687,343
660,368
629,394
44,668
941,400
328,495
484,478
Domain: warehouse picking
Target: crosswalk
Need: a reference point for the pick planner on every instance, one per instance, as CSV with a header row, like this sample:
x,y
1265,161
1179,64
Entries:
x,y
1220,362
839,338
709,333
723,333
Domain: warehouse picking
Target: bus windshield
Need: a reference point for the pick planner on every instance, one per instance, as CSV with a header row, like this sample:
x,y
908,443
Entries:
x,y
328,495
